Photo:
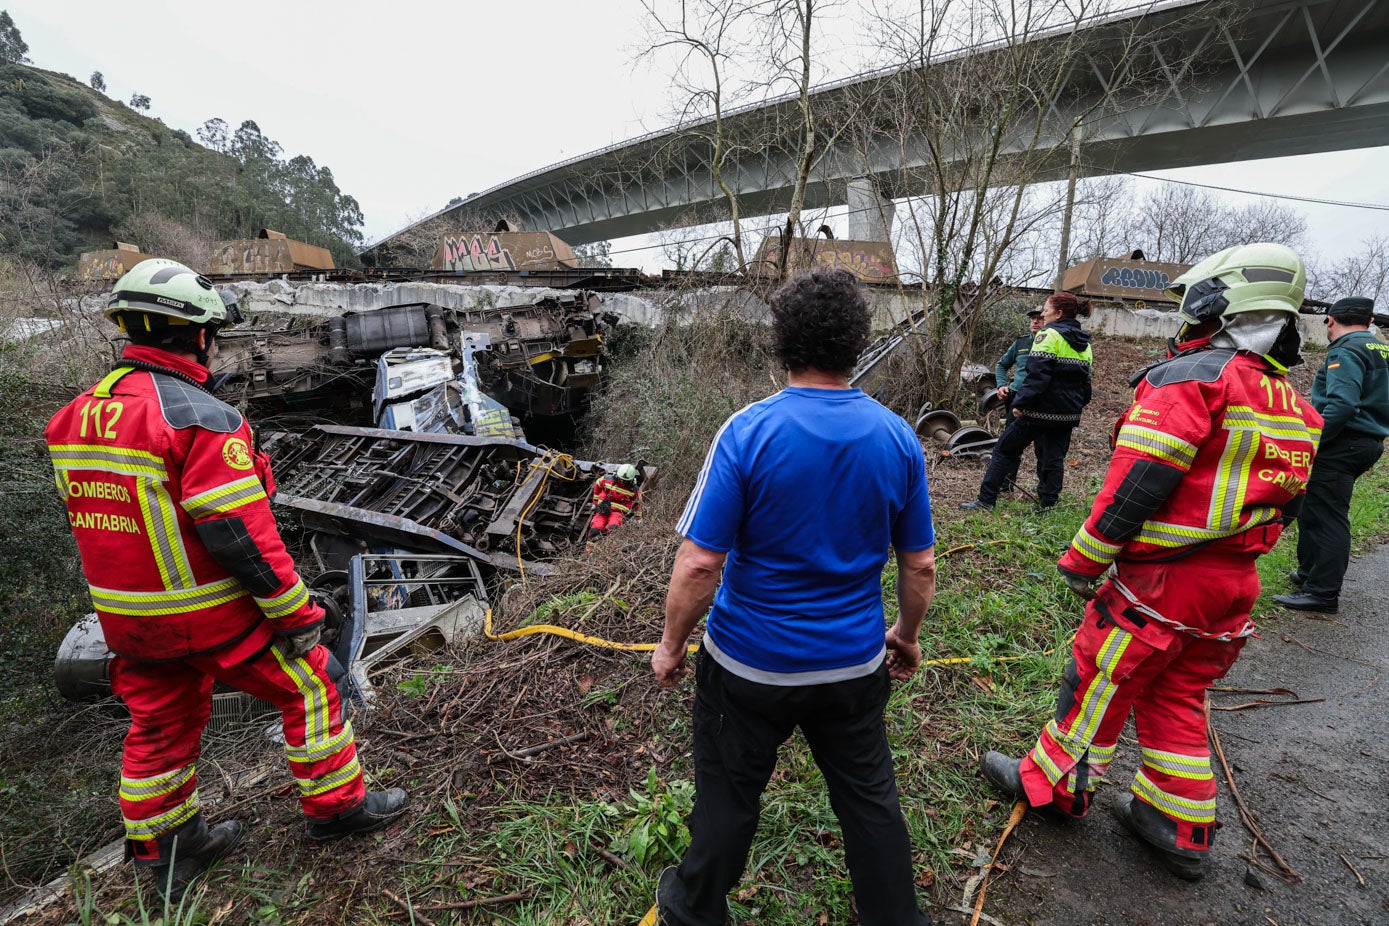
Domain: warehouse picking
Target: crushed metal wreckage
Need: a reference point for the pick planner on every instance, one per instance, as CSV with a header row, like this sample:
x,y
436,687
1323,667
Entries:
x,y
401,531
505,503
425,367
402,526
956,440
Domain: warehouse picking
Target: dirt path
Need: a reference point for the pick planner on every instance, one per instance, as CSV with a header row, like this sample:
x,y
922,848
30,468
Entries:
x,y
1313,774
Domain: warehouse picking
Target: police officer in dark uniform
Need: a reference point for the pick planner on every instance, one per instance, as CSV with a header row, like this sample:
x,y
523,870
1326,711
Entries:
x,y
1352,393
1014,359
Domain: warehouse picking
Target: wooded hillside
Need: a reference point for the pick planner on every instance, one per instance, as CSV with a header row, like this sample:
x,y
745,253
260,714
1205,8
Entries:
x,y
78,169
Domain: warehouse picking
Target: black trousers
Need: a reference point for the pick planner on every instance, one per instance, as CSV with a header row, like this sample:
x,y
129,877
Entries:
x,y
1323,527
1010,478
738,726
1048,440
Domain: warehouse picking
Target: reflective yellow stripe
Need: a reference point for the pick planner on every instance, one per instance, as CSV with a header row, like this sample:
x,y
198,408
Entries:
x,y
286,603
1101,756
1048,767
316,719
1074,750
1197,768
1095,756
1232,479
318,751
1181,808
1092,547
166,542
157,826
1160,534
224,498
1093,704
309,787
119,461
142,789
1054,343
173,601
1287,427
1159,444
1096,699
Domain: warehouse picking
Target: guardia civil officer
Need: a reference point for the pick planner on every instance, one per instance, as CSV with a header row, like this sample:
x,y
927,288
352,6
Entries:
x,y
1352,393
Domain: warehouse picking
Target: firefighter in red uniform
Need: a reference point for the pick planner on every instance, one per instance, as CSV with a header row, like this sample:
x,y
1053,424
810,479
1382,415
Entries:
x,y
1209,464
614,498
191,582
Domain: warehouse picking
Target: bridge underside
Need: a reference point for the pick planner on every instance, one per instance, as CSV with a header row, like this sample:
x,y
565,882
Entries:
x,y
1266,80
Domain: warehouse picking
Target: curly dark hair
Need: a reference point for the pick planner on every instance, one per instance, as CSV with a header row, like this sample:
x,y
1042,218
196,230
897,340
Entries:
x,y
820,320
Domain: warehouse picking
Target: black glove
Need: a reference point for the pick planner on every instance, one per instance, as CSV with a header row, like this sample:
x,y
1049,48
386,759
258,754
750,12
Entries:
x,y
604,507
1084,586
300,642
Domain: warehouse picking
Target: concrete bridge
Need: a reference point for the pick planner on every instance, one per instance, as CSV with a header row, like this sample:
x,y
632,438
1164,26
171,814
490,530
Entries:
x,y
1253,80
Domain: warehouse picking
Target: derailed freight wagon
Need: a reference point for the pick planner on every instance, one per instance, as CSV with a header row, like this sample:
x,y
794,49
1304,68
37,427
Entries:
x,y
475,368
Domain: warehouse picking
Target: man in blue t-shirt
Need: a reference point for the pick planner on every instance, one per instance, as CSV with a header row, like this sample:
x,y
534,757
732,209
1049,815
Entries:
x,y
800,497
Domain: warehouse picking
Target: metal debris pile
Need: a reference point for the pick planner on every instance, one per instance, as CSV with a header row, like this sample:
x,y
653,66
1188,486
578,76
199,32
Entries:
x,y
424,367
406,528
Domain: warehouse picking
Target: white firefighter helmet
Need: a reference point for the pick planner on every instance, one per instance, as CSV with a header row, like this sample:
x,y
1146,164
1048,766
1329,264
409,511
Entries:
x,y
1243,278
170,292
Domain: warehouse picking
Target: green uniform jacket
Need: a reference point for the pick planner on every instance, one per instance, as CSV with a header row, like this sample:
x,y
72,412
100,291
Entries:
x,y
1016,358
1352,388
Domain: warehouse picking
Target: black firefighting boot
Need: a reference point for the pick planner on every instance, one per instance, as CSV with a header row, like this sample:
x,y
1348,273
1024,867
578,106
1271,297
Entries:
x,y
1160,833
1003,773
376,810
181,856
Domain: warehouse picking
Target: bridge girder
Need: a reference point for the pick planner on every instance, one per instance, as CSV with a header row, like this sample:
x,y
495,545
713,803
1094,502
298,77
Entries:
x,y
1288,78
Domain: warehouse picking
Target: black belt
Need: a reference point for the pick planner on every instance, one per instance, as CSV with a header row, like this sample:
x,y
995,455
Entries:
x,y
1364,435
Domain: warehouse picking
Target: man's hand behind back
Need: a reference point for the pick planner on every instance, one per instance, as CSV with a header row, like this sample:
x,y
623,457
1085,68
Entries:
x,y
903,656
670,665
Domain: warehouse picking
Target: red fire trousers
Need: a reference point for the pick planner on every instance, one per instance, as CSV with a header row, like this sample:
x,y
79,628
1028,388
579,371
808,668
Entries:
x,y
605,522
170,704
1129,657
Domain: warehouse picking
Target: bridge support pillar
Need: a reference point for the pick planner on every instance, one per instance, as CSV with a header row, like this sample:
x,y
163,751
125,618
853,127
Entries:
x,y
870,213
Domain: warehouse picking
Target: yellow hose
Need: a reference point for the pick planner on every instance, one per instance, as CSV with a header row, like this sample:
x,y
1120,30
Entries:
x,y
548,463
587,640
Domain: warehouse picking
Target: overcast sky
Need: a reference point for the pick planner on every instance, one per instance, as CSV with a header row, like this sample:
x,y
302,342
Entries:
x,y
412,103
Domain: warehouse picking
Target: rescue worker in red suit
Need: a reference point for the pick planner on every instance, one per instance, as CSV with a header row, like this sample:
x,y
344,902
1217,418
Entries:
x,y
614,498
1209,464
170,508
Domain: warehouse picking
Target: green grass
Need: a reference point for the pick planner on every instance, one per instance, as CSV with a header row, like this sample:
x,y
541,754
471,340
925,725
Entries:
x,y
1000,600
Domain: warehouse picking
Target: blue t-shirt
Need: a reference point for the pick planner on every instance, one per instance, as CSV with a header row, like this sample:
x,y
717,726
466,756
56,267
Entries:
x,y
805,491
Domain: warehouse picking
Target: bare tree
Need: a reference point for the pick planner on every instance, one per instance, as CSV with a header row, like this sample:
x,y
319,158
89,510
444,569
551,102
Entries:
x,y
983,107
704,37
731,54
1362,274
1182,224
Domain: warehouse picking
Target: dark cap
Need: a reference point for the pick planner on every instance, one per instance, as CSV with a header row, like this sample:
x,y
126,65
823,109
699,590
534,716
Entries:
x,y
1355,310
1035,312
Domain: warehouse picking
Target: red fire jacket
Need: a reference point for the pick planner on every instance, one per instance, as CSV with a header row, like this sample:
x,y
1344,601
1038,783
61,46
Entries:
x,y
170,510
622,496
1215,445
